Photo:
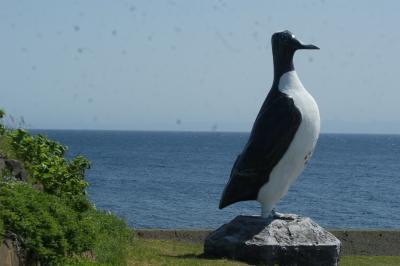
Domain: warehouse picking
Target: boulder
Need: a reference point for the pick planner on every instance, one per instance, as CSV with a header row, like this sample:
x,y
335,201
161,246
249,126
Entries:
x,y
288,240
15,167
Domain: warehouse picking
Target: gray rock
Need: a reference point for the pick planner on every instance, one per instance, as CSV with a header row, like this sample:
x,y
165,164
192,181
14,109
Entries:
x,y
289,240
15,168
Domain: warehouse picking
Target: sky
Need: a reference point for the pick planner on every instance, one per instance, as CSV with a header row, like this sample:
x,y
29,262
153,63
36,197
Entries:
x,y
198,65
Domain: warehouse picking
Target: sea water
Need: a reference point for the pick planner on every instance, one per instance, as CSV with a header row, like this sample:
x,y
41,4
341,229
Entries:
x,y
175,179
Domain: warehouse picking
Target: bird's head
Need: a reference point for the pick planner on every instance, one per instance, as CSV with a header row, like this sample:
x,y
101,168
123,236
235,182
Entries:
x,y
284,45
286,41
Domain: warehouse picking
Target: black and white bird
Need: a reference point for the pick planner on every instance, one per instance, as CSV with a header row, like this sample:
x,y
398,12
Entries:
x,y
283,137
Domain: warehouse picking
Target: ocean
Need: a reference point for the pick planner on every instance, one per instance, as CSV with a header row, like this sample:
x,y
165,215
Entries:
x,y
175,179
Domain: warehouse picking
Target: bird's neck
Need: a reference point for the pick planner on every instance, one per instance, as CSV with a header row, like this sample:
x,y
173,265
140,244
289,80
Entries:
x,y
283,62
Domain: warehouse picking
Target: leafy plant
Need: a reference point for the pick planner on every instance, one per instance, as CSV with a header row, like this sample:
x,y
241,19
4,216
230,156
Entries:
x,y
47,227
45,162
1,229
113,238
2,114
57,223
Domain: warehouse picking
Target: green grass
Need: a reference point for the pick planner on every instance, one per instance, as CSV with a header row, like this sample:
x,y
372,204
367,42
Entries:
x,y
166,252
369,261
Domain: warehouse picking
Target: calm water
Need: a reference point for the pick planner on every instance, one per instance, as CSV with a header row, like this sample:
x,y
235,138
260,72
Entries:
x,y
175,179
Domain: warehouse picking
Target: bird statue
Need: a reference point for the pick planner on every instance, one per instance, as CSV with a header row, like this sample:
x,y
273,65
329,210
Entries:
x,y
283,136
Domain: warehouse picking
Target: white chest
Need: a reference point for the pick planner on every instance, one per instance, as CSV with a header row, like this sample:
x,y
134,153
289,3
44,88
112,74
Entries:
x,y
308,131
300,149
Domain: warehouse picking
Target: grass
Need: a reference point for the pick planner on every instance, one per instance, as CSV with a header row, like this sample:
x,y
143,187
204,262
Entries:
x,y
370,261
167,252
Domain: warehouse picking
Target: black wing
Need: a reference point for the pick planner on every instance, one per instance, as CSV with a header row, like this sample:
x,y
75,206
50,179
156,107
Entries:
x,y
272,133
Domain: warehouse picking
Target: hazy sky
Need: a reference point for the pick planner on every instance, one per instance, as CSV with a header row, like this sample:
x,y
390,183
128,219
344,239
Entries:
x,y
194,65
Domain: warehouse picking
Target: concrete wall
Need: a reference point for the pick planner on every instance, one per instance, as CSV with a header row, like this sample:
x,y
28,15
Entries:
x,y
354,242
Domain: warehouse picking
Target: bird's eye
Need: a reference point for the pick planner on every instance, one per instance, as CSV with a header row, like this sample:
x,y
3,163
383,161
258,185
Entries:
x,y
293,36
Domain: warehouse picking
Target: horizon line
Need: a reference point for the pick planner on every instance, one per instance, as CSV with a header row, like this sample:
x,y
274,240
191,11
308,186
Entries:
x,y
191,131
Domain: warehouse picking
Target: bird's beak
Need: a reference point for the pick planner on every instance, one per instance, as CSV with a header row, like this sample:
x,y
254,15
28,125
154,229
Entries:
x,y
307,46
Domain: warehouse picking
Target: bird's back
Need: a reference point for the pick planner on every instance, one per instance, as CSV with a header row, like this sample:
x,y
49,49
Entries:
x,y
301,147
278,119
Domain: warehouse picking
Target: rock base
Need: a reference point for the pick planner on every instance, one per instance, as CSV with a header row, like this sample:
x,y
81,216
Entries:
x,y
289,240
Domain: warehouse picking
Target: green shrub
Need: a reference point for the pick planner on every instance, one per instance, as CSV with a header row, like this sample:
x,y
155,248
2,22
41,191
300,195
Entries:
x,y
2,114
1,229
44,160
57,224
47,227
112,244
113,238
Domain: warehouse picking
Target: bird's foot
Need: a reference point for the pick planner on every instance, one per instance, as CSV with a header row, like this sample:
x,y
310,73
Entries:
x,y
281,216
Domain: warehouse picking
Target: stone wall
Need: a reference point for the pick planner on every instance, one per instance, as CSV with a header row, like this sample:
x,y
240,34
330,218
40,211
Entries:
x,y
367,242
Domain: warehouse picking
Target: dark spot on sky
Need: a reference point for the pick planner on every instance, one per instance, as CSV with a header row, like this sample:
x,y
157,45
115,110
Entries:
x,y
77,28
124,52
34,68
79,50
24,50
310,59
90,100
149,38
114,32
223,3
132,9
214,127
177,29
173,47
39,35
178,121
255,35
226,43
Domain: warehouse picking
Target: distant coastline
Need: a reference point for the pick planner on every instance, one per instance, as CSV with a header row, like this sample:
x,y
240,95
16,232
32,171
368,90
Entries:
x,y
194,131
